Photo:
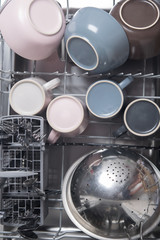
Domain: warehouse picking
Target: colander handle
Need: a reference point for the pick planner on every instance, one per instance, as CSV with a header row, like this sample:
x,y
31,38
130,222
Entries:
x,y
120,131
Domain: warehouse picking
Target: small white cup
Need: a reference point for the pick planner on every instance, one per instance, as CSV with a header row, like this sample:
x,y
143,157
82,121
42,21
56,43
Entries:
x,y
31,96
67,116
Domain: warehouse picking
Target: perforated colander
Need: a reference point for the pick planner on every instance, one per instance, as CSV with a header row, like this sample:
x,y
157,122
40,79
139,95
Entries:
x,y
113,194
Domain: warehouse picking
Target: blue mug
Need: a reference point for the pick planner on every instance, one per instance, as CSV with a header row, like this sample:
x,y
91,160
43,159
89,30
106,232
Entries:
x,y
95,41
105,98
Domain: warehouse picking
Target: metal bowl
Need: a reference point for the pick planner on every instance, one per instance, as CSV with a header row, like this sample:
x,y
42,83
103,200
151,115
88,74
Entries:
x,y
113,194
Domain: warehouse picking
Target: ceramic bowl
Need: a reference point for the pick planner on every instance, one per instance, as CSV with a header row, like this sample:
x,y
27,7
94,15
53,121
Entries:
x,y
34,28
140,20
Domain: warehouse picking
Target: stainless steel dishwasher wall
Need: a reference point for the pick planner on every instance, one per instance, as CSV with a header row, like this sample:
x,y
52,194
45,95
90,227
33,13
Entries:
x,y
98,134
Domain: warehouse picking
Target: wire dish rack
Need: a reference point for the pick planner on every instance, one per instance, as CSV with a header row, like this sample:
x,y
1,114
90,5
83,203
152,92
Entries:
x,y
23,131
23,150
20,150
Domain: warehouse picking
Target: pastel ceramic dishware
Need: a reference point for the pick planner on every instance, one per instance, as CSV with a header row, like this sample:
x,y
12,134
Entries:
x,y
34,28
31,96
105,98
67,116
95,41
141,22
141,119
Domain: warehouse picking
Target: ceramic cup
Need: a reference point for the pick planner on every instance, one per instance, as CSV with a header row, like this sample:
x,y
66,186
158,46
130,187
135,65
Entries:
x,y
105,98
34,28
141,119
67,116
95,41
141,22
31,96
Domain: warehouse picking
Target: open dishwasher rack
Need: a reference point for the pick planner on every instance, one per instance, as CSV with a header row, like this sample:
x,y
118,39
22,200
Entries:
x,y
61,155
23,149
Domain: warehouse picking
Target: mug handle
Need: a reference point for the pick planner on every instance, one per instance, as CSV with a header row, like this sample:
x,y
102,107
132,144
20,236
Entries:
x,y
125,82
120,131
52,84
53,136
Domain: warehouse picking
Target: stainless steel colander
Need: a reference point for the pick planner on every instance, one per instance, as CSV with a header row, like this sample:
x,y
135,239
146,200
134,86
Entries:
x,y
113,194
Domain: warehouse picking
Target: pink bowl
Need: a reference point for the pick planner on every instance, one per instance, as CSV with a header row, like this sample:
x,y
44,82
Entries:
x,y
34,28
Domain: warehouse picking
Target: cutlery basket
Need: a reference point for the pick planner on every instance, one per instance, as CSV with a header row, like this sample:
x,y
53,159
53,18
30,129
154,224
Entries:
x,y
30,155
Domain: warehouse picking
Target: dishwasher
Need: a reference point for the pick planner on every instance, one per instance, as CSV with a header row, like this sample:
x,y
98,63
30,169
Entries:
x,y
51,161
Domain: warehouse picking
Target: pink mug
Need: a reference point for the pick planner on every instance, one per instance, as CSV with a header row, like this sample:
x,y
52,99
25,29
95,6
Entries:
x,y
67,116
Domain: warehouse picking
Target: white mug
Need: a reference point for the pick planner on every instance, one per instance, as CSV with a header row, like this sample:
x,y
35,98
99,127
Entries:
x,y
31,96
67,116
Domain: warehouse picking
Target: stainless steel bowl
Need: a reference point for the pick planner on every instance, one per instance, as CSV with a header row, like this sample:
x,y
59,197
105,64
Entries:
x,y
113,194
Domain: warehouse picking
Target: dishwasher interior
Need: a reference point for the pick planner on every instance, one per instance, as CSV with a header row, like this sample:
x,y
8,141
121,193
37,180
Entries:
x,y
52,161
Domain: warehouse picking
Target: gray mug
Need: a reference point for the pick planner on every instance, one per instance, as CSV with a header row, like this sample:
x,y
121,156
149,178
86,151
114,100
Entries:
x,y
95,41
141,119
105,98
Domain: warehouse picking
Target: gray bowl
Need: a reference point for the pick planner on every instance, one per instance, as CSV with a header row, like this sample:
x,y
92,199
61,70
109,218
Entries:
x,y
113,194
95,41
